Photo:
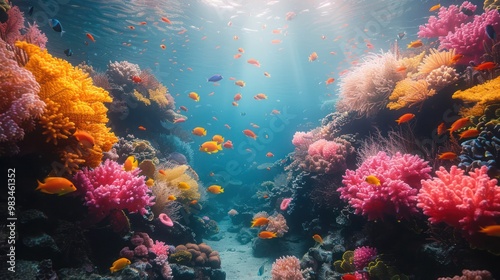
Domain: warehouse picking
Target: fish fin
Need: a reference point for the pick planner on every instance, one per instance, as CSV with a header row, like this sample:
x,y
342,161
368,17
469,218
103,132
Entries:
x,y
40,184
219,147
45,191
62,32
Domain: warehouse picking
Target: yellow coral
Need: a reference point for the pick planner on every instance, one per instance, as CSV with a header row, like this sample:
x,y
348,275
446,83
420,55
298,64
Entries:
x,y
491,5
408,93
482,95
435,60
73,102
346,264
411,63
141,98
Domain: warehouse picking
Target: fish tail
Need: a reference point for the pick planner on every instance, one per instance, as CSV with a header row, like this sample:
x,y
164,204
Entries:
x,y
40,184
62,32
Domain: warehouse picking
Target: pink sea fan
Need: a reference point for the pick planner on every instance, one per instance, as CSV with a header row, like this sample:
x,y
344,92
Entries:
x,y
35,36
399,176
286,268
10,31
363,255
468,38
19,100
109,187
447,20
466,202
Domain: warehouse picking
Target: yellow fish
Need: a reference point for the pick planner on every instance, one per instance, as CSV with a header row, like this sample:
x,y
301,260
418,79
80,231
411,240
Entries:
x,y
119,264
183,186
260,222
130,164
215,189
318,238
199,131
193,95
435,7
211,147
171,197
372,179
56,185
218,138
150,182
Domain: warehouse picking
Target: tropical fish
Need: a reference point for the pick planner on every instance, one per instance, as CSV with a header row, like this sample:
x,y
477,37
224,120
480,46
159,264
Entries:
x,y
267,74
193,95
400,69
435,7
183,186
405,118
91,37
235,104
131,27
401,35
492,230
254,62
261,270
269,154
372,179
171,197
136,79
215,189
236,56
456,58
85,138
490,31
317,238
119,264
150,182
469,133
261,221
329,81
68,52
239,83
415,44
165,19
267,234
183,108
456,125
141,128
56,185
215,78
162,172
56,26
130,164
241,50
260,96
237,97
163,47
228,144
218,138
275,112
210,147
199,131
276,41
485,66
313,56
447,156
441,129
250,134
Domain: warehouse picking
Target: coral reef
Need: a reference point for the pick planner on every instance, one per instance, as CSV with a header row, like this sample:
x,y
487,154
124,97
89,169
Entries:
x,y
447,20
441,77
327,156
286,268
480,95
408,93
470,275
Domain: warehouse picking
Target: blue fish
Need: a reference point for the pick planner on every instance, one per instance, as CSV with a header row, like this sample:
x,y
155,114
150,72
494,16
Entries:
x,y
68,52
215,78
56,25
490,31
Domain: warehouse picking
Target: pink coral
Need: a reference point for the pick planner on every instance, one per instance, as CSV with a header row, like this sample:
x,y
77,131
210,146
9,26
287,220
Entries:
x,y
396,195
19,100
109,187
277,223
302,139
159,248
471,275
10,31
363,255
286,268
468,38
447,20
165,219
466,202
327,156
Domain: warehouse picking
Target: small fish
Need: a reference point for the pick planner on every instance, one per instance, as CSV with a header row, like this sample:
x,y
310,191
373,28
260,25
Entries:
x,y
261,221
56,185
91,37
435,7
136,79
372,179
162,172
254,62
215,189
493,230
447,156
183,108
401,35
329,81
237,97
215,78
313,56
228,144
199,131
470,133
415,44
143,23
267,74
466,11
85,138
141,128
210,147
30,11
163,47
267,234
68,52
275,112
250,134
261,270
241,50
171,197
260,96
401,69
456,125
441,129
131,27
183,186
165,19
405,118
56,25
218,138
456,58
485,66
317,238
269,154
150,182
239,83
130,164
193,95
119,264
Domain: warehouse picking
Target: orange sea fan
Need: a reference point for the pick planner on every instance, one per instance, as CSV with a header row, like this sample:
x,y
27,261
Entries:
x,y
408,93
435,59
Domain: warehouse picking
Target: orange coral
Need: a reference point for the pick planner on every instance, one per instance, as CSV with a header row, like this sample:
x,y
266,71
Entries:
x,y
482,95
408,93
73,102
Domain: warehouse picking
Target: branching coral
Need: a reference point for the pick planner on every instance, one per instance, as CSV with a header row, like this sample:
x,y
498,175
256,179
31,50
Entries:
x,y
286,268
72,102
20,104
396,195
408,93
447,20
465,202
366,88
119,73
277,224
482,95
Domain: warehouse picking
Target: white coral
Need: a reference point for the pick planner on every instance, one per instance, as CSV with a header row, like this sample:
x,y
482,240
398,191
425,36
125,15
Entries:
x,y
441,77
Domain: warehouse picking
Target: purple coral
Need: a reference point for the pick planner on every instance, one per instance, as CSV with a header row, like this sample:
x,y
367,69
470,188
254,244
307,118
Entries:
x,y
447,20
109,187
396,195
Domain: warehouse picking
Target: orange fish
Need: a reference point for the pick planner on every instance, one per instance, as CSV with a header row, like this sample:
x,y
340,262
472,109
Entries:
x,y
234,103
401,69
469,133
415,44
276,41
85,138
193,95
405,118
441,129
493,230
136,79
141,128
254,62
250,134
171,197
317,238
165,19
276,31
162,172
163,47
435,7
143,23
131,27
236,56
56,185
269,154
210,147
215,189
119,264
260,96
228,144
183,108
91,38
130,163
458,124
237,97
240,83
329,81
199,131
456,58
241,50
193,202
313,56
262,221
447,156
267,74
267,234
218,138
485,66
275,112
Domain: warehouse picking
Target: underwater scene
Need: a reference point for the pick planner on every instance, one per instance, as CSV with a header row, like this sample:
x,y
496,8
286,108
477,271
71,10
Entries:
x,y
263,139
